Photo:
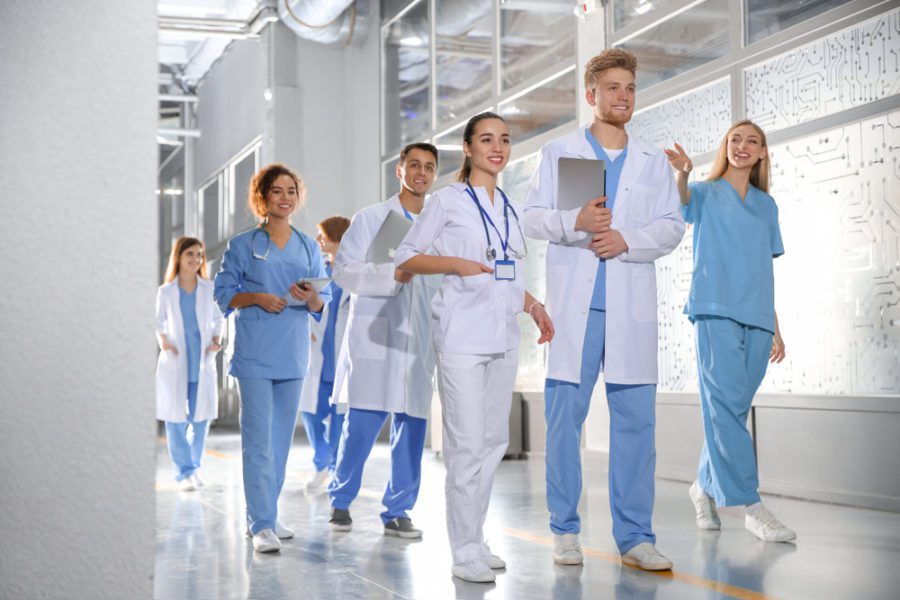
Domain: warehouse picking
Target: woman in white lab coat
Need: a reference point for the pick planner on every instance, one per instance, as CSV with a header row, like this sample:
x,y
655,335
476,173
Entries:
x,y
473,230
188,330
316,404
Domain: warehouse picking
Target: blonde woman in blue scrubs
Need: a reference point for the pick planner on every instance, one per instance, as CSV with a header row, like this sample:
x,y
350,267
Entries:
x,y
732,306
271,345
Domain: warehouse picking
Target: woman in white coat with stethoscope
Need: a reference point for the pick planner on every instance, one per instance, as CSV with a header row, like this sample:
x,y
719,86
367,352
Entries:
x,y
472,228
188,330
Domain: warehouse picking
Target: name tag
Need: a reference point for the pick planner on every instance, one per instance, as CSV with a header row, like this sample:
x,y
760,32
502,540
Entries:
x,y
505,270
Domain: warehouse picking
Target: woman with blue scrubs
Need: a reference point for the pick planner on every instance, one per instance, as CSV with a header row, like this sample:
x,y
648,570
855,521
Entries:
x,y
259,278
316,405
732,307
189,332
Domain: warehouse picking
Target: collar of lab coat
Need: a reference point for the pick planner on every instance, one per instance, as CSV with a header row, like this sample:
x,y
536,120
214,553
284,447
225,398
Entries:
x,y
578,145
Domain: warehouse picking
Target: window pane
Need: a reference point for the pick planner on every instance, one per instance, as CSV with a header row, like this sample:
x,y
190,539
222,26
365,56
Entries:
x,y
209,205
406,78
463,41
685,41
390,184
626,12
533,37
767,17
542,109
450,152
243,173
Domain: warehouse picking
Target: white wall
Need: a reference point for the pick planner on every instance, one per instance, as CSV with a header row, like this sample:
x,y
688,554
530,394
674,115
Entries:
x,y
77,181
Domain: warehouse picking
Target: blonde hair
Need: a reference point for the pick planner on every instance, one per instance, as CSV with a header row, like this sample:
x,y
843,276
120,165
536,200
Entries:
x,y
611,58
760,174
262,183
178,248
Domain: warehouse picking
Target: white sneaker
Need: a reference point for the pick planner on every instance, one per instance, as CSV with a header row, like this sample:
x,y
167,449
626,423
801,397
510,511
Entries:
x,y
491,559
198,483
645,556
266,541
567,550
317,480
706,515
767,527
282,532
475,571
186,485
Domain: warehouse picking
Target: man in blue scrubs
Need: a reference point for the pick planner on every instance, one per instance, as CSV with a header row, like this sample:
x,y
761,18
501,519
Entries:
x,y
601,295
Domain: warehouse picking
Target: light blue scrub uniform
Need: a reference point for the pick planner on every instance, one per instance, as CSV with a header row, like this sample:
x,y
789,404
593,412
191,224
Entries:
x,y
271,358
186,453
732,306
325,441
632,451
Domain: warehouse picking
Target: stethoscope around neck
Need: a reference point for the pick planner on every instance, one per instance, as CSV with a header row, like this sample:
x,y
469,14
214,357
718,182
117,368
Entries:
x,y
491,252
261,228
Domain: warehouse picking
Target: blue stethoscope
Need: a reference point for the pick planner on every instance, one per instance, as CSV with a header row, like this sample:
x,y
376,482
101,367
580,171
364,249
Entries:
x,y
491,252
265,255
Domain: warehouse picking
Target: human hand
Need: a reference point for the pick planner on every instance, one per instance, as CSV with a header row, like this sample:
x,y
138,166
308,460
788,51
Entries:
x,y
307,293
593,216
214,347
402,276
168,346
543,322
608,244
467,268
270,302
777,354
679,160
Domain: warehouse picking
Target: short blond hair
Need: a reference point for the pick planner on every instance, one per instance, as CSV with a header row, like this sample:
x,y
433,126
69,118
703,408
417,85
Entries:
x,y
610,58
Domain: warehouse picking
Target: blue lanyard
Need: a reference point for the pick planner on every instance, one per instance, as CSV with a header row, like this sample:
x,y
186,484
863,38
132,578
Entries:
x,y
486,218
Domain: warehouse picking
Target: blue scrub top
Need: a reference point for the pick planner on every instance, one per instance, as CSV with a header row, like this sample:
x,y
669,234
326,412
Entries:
x,y
269,345
613,172
734,243
188,304
328,358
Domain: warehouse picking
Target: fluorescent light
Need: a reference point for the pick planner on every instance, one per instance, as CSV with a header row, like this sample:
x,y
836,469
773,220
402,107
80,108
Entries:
x,y
643,8
411,41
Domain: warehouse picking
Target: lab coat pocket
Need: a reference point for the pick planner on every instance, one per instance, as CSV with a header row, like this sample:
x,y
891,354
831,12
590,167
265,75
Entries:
x,y
642,204
373,338
643,297
474,292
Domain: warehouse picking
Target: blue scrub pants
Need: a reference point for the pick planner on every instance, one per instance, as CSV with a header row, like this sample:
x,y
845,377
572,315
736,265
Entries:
x,y
731,361
324,441
184,450
361,428
632,450
268,417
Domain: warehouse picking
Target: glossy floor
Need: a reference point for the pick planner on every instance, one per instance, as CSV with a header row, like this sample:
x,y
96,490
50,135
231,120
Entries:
x,y
202,552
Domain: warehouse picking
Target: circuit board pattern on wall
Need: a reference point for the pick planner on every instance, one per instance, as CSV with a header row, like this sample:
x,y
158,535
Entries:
x,y
841,71
695,120
837,288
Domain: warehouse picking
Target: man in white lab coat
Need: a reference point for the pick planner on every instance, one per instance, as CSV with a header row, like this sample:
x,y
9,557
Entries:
x,y
601,295
387,357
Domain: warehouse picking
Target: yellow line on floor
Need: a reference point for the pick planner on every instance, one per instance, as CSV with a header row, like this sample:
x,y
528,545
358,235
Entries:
x,y
694,580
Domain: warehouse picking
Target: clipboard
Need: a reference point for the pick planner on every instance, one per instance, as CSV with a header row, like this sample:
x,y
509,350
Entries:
x,y
389,236
318,283
579,180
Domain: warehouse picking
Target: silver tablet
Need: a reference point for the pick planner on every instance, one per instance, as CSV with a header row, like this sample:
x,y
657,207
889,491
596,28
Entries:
x,y
579,180
389,236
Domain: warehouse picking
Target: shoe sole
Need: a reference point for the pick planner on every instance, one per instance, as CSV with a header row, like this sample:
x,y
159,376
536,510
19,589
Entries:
x,y
483,579
562,560
707,526
774,540
710,527
285,536
496,567
267,549
337,527
407,535
633,563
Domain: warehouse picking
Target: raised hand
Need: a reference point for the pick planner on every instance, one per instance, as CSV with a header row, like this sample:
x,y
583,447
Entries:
x,y
679,160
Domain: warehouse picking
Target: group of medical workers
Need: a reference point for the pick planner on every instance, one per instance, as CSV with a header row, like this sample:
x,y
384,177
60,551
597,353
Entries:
x,y
366,347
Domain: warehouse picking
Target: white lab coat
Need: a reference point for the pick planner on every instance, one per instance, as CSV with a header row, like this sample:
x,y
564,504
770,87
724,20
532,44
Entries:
x,y
647,214
474,314
386,361
309,397
171,370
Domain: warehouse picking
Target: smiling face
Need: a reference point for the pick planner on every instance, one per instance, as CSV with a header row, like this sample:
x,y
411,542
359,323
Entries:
x,y
283,197
191,259
490,146
417,171
745,147
612,98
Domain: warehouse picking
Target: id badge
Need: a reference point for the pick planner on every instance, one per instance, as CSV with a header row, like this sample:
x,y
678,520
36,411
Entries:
x,y
505,270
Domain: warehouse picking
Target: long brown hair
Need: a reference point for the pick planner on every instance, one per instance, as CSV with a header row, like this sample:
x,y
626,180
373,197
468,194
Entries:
x,y
760,174
178,248
468,133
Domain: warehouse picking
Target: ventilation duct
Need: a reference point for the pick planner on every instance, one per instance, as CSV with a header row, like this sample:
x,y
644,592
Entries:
x,y
326,21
